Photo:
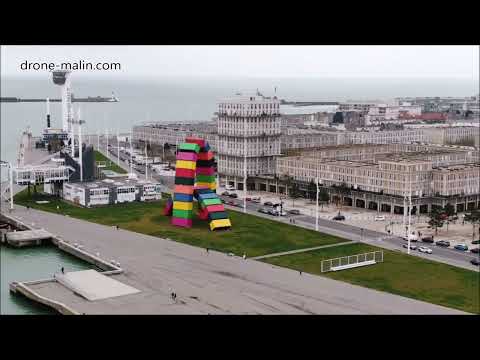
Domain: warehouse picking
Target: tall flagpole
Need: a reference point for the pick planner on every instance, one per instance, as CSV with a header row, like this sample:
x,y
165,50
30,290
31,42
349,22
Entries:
x,y
80,155
146,157
409,210
118,150
131,155
244,164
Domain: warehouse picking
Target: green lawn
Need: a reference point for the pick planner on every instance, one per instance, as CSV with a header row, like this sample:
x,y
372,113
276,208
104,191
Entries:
x,y
249,234
400,274
110,164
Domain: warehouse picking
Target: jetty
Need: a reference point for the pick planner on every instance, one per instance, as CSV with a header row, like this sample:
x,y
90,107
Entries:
x,y
87,99
27,237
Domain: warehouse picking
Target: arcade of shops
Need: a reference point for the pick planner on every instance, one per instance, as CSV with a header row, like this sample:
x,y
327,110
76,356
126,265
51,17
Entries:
x,y
360,199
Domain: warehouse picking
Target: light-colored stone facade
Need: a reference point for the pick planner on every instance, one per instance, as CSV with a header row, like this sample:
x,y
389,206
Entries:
x,y
248,125
389,169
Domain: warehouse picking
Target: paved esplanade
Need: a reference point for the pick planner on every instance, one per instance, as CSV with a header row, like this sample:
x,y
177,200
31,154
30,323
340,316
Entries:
x,y
212,283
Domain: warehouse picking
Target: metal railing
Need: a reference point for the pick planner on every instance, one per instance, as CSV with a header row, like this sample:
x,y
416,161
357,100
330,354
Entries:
x,y
352,261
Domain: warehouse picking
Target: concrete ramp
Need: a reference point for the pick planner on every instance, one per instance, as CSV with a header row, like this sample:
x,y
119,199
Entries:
x,y
92,285
27,237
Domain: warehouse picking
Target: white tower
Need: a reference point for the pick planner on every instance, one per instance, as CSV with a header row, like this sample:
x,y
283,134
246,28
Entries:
x,y
249,130
62,78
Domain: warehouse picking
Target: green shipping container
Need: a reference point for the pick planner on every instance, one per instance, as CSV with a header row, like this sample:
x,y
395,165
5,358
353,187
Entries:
x,y
207,202
184,214
189,147
218,215
206,178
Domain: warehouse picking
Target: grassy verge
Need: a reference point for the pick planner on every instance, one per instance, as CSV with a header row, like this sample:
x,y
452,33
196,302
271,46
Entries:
x,y
400,274
110,164
250,234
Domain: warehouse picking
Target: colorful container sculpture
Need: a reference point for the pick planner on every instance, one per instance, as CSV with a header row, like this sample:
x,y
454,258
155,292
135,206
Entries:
x,y
195,178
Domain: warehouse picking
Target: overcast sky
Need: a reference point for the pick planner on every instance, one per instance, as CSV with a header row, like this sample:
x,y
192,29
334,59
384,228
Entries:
x,y
258,61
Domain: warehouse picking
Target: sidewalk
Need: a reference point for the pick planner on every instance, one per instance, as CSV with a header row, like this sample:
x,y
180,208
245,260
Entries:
x,y
302,250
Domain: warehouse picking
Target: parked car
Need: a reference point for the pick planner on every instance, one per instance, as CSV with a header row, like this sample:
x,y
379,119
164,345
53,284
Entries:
x,y
427,239
294,212
379,218
263,211
339,217
476,242
256,200
273,212
443,243
248,199
225,193
475,250
425,249
233,195
229,187
461,247
412,247
268,203
475,261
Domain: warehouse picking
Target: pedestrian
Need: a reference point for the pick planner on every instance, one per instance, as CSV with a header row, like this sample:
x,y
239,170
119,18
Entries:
x,y
63,270
244,256
207,250
117,227
300,272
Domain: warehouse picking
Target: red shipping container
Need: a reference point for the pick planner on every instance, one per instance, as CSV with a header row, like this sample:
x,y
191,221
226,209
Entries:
x,y
183,189
187,173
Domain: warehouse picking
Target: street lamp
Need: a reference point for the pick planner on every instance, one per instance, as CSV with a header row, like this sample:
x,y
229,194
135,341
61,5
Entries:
x,y
281,204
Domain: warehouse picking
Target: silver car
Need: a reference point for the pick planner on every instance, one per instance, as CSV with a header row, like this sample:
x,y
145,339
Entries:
x,y
425,249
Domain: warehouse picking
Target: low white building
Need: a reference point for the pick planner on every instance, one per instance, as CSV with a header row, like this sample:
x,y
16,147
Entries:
x,y
108,191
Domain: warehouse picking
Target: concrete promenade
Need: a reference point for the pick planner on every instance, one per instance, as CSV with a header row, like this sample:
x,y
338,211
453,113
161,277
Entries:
x,y
205,283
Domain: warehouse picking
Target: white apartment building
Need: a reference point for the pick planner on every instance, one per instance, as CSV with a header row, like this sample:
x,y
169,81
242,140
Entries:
x,y
175,133
384,113
360,106
309,139
386,177
457,180
249,125
385,137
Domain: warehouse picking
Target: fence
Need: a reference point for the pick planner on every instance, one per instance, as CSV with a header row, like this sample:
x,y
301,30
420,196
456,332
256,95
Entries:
x,y
352,261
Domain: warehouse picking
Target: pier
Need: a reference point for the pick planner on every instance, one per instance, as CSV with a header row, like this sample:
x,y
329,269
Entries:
x,y
87,99
27,237
308,103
